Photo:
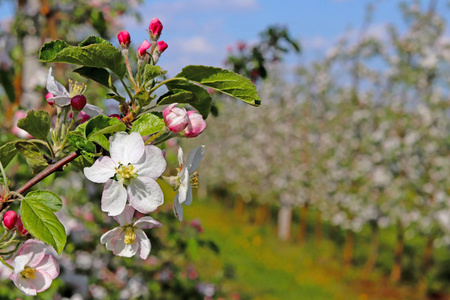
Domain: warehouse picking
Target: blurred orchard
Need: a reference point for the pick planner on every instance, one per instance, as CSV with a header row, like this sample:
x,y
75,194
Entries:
x,y
350,150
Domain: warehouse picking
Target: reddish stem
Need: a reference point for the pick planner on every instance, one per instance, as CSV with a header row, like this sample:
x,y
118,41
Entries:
x,y
44,173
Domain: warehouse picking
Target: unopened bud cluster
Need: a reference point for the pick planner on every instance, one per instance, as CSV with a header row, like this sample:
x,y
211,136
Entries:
x,y
178,120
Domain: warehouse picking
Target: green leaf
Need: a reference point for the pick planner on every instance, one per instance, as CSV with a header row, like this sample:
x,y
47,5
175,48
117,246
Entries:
x,y
98,75
98,126
48,198
42,223
202,99
92,52
116,97
33,155
149,123
151,72
81,143
7,152
6,80
84,160
37,123
223,81
102,125
176,96
143,98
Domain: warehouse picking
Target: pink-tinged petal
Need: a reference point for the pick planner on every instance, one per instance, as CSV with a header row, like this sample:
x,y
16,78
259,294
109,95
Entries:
x,y
31,253
24,285
126,217
195,126
178,209
119,248
114,197
147,223
144,243
42,281
194,158
54,86
61,100
126,148
184,185
111,235
101,170
50,265
188,197
92,110
152,164
145,195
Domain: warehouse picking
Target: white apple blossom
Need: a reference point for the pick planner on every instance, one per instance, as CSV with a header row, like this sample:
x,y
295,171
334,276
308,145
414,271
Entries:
x,y
186,178
129,238
130,173
34,270
62,97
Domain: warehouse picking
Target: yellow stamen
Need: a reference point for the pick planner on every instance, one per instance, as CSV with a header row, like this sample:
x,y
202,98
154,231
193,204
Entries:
x,y
130,236
194,179
28,273
76,88
126,171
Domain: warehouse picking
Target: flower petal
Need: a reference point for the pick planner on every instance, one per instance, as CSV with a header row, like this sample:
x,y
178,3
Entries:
x,y
178,208
144,243
152,164
126,148
24,285
119,248
145,195
92,110
61,100
101,170
114,197
194,158
111,235
188,197
31,253
50,265
54,86
180,157
126,217
184,185
147,222
42,281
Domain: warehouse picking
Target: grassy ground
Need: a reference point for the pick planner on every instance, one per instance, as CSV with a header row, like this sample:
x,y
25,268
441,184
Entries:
x,y
265,268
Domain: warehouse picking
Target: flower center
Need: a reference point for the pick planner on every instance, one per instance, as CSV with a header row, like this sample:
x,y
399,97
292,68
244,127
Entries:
x,y
126,172
130,236
76,88
193,179
28,273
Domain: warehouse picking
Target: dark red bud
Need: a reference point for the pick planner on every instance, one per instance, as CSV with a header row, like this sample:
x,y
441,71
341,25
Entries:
x,y
78,102
124,38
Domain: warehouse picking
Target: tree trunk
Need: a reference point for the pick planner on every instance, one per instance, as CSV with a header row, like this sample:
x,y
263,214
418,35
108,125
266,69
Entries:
x,y
239,207
373,254
428,254
396,272
261,213
284,222
301,235
348,247
318,229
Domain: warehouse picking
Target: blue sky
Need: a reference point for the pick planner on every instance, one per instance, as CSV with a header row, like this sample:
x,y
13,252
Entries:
x,y
198,31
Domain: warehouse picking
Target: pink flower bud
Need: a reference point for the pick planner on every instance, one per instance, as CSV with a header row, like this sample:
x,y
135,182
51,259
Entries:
x,y
10,219
142,50
176,118
155,27
83,116
241,46
115,116
20,228
196,124
78,102
49,100
124,39
162,46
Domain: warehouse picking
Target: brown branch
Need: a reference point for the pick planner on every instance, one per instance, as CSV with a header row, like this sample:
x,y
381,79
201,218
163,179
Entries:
x,y
47,171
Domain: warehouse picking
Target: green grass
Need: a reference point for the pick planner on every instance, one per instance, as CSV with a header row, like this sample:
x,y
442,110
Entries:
x,y
265,268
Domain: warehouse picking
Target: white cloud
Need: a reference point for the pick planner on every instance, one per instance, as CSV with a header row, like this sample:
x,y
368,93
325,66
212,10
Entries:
x,y
317,42
196,45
